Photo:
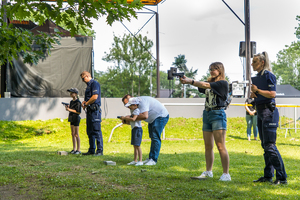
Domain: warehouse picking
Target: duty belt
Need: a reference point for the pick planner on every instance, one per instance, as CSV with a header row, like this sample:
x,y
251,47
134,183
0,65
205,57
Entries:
x,y
93,107
216,108
265,105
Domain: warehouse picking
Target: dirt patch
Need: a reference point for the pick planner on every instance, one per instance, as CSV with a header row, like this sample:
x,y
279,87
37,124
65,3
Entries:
x,y
11,192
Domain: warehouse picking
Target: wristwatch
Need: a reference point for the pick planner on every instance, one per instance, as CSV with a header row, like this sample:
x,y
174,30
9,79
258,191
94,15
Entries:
x,y
192,82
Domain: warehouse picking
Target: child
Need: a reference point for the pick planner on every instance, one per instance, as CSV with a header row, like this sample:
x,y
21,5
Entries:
x,y
136,130
74,111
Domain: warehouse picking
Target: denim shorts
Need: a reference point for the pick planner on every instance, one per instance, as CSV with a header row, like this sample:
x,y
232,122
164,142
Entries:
x,y
136,136
214,120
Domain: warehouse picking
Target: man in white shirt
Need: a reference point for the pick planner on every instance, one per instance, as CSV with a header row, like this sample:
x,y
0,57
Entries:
x,y
157,116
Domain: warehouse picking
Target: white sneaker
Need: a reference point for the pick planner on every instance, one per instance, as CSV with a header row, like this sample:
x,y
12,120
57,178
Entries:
x,y
204,175
151,162
139,163
145,161
225,177
132,163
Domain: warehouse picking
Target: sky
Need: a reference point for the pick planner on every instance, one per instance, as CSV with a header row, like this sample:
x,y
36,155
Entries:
x,y
206,31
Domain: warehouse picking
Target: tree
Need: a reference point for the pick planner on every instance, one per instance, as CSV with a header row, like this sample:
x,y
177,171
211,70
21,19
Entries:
x,y
164,82
76,15
132,66
180,63
287,67
297,33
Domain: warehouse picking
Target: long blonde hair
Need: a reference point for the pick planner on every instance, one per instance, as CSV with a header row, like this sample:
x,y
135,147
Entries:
x,y
264,57
220,67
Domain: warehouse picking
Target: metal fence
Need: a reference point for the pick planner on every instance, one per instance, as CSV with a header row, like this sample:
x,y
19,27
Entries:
x,y
289,119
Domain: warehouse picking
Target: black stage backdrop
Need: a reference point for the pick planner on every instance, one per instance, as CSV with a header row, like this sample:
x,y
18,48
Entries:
x,y
54,75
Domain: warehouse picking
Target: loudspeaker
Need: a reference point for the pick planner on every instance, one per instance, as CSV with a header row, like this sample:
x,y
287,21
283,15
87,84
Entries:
x,y
170,77
173,70
242,51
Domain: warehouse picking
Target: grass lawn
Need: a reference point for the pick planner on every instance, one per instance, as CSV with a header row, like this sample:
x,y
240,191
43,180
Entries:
x,y
30,167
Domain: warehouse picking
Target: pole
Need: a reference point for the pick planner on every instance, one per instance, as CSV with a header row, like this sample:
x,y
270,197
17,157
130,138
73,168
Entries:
x,y
157,56
151,82
3,67
247,42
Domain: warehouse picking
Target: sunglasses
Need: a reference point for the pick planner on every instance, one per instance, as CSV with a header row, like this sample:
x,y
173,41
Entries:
x,y
83,78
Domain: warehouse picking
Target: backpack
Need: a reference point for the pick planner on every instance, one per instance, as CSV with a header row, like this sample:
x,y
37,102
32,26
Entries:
x,y
229,97
228,100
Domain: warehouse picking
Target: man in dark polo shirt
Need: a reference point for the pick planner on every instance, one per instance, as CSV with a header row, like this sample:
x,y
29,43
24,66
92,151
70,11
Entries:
x,y
92,103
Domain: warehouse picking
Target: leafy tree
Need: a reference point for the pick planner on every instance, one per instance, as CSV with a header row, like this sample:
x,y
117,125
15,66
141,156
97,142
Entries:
x,y
180,63
287,66
132,67
164,82
76,15
297,33
84,30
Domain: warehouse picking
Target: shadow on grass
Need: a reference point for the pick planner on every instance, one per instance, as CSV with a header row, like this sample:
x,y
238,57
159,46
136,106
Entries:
x,y
39,171
294,145
237,137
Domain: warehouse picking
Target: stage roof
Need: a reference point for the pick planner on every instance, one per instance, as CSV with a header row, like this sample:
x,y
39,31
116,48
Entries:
x,y
146,2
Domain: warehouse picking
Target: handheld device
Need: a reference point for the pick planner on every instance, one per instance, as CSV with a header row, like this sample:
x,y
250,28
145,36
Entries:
x,y
65,104
173,73
119,117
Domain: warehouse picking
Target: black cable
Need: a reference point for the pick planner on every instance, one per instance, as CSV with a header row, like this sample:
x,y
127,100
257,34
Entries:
x,y
138,41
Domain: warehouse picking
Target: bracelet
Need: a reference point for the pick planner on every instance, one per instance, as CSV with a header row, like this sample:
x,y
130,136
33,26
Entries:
x,y
256,92
192,82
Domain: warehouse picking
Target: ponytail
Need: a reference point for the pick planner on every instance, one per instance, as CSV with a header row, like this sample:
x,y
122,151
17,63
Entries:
x,y
264,57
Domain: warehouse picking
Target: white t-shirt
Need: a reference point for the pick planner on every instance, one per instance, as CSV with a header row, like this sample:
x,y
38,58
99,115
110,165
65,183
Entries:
x,y
136,123
154,107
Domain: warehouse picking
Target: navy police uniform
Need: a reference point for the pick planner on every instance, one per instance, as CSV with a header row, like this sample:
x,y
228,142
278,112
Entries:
x,y
267,123
93,117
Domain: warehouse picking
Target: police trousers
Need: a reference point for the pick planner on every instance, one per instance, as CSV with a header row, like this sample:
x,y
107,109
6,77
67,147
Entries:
x,y
93,130
267,123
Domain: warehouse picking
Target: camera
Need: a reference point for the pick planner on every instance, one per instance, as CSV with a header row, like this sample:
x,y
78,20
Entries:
x,y
173,73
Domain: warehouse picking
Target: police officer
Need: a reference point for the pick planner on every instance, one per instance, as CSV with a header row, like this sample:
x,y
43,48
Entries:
x,y
263,89
91,104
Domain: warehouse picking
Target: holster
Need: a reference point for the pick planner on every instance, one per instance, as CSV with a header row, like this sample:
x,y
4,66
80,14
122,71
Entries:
x,y
94,107
272,106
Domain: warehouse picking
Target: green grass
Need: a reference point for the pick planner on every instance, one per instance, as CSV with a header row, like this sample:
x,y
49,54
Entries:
x,y
31,169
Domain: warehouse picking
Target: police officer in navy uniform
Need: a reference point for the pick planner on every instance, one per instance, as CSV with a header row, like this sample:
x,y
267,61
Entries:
x,y
263,89
91,104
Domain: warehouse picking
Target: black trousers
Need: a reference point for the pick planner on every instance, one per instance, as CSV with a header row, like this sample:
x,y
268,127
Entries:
x,y
267,123
93,130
